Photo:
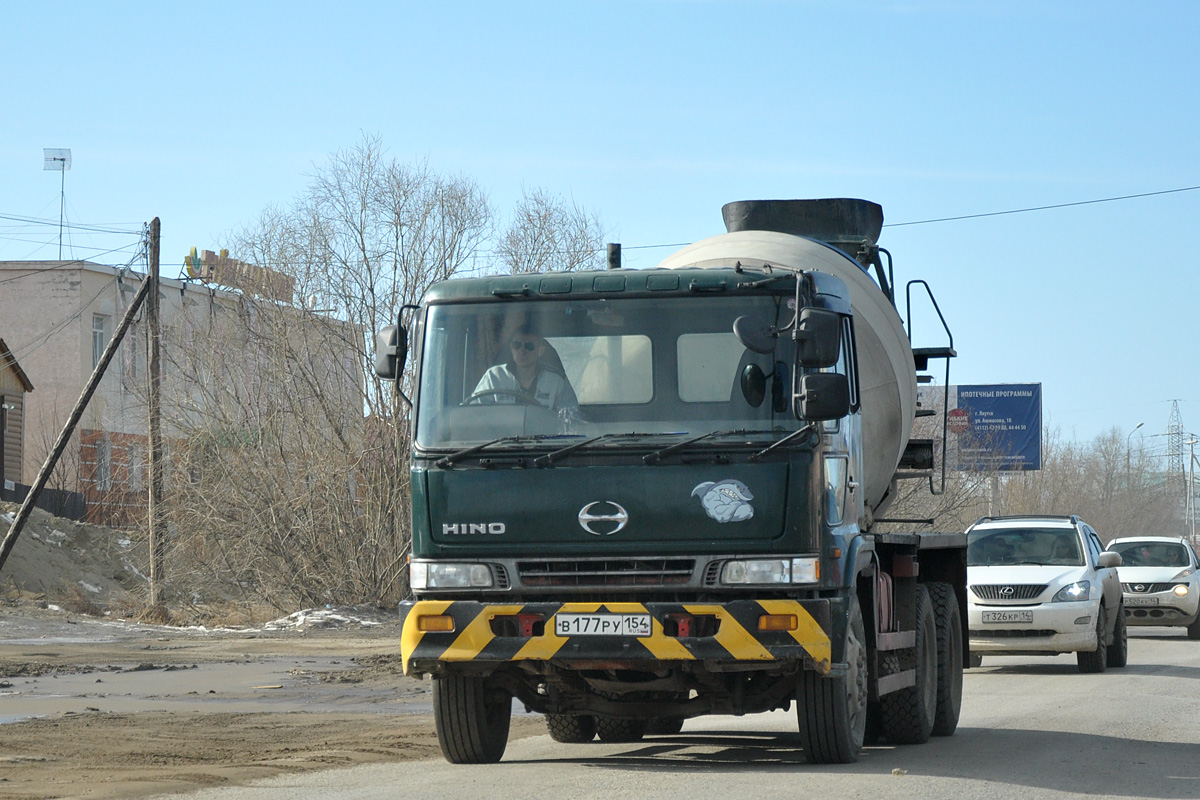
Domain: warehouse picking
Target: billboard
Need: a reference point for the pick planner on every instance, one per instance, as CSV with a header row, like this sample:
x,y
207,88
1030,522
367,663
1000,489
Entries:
x,y
989,427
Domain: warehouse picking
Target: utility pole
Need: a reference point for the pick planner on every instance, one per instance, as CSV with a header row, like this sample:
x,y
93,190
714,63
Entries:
x,y
1128,484
154,409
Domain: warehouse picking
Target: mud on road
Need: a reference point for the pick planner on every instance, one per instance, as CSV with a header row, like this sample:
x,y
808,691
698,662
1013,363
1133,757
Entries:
x,y
107,709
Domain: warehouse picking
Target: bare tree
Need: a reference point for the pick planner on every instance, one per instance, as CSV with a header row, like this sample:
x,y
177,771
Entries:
x,y
289,478
549,234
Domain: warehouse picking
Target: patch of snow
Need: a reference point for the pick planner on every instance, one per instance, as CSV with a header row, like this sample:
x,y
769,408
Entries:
x,y
53,607
125,543
8,518
89,587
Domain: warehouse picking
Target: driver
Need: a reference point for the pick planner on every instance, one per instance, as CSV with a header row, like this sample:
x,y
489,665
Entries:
x,y
526,374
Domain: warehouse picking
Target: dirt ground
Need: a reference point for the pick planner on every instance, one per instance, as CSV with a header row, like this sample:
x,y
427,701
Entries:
x,y
105,709
96,706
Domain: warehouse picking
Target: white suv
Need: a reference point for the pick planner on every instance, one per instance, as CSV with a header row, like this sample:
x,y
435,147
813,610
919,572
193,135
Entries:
x,y
1043,586
1161,577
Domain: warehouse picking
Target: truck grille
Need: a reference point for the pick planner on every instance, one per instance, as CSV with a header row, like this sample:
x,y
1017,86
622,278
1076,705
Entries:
x,y
607,572
1009,591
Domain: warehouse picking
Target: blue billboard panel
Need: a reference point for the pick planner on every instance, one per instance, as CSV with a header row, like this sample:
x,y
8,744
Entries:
x,y
996,427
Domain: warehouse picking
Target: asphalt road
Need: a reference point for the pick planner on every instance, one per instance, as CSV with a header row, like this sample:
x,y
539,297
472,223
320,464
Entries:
x,y
1030,728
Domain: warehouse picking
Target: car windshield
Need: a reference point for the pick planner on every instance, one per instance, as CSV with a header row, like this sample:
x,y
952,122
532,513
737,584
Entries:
x,y
997,547
591,368
1151,554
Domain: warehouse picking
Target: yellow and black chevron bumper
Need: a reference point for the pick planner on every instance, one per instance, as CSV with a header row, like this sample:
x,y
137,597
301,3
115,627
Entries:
x,y
737,631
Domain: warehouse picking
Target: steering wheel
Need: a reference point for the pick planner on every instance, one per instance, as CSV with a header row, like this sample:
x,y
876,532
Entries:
x,y
522,398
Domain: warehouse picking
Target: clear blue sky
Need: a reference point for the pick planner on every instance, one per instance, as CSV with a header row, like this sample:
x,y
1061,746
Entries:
x,y
652,114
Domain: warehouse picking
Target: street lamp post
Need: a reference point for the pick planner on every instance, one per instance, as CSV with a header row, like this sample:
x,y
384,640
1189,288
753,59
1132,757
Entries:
x,y
1128,484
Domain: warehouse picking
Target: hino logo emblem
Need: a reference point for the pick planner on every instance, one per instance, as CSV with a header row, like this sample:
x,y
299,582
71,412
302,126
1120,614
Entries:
x,y
597,523
1007,591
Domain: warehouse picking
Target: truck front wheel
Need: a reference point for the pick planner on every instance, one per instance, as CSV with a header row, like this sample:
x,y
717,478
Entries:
x,y
832,711
611,729
471,720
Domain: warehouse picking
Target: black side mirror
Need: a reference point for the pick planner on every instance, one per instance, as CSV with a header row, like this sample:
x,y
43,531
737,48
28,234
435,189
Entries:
x,y
754,335
818,338
754,385
823,396
391,352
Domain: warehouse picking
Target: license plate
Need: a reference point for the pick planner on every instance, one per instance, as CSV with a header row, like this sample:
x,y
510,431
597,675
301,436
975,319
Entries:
x,y
1141,601
602,625
1008,616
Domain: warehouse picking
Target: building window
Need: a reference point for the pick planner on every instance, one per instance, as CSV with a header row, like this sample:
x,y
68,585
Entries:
x,y
103,466
99,337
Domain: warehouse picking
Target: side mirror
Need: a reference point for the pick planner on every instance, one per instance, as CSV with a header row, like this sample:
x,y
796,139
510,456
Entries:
x,y
818,338
1109,559
754,385
391,351
823,396
754,335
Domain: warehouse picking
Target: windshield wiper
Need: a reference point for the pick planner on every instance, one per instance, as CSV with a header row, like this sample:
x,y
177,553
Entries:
x,y
467,452
808,428
555,455
656,456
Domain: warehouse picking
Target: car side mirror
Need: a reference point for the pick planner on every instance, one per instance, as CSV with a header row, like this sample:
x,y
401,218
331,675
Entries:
x,y
1109,559
391,351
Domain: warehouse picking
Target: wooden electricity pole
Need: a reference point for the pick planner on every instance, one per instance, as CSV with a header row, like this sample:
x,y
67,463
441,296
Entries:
x,y
154,409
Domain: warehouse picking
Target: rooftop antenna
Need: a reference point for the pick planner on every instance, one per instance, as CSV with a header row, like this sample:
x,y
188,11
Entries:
x,y
59,158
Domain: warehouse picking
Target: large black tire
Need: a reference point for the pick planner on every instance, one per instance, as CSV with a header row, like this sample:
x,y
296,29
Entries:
x,y
832,711
948,622
611,729
1193,630
1118,651
665,727
471,720
571,728
908,714
1093,661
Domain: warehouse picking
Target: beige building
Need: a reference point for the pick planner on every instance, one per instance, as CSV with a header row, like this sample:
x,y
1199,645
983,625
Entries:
x,y
57,317
14,385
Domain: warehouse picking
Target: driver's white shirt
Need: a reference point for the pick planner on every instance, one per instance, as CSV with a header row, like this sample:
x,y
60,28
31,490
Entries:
x,y
550,389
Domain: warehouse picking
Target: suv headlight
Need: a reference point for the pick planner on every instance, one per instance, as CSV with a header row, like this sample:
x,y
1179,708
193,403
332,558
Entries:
x,y
442,575
771,571
1074,593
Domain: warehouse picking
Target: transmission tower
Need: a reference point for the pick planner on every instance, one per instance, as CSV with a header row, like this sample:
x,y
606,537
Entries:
x,y
1175,448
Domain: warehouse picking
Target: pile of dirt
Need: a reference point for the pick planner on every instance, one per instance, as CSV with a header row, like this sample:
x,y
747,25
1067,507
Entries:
x,y
84,568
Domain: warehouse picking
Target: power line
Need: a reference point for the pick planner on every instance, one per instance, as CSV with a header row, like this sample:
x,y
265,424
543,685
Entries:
x,y
75,226
1042,208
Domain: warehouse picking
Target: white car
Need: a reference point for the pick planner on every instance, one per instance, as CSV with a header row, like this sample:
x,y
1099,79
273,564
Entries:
x,y
1043,585
1161,579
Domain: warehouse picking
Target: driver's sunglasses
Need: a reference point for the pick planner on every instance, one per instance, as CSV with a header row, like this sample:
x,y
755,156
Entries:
x,y
526,345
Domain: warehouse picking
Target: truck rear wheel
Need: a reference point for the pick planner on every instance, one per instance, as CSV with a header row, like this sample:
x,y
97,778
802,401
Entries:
x,y
571,728
832,711
611,729
948,623
909,714
471,720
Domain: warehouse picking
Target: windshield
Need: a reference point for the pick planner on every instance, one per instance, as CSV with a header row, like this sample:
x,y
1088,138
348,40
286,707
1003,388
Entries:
x,y
1151,554
1001,547
587,368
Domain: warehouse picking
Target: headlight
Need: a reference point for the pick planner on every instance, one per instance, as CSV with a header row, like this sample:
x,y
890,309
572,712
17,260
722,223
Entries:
x,y
771,571
1181,590
1074,593
1183,574
439,575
